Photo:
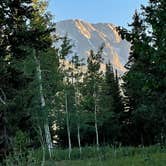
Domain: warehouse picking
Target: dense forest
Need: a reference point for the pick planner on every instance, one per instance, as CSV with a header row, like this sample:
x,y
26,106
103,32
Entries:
x,y
48,100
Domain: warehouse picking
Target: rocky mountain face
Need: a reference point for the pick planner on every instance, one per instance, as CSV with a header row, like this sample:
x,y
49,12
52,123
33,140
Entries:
x,y
86,36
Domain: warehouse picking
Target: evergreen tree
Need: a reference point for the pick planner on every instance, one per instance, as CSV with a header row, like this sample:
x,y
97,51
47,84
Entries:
x,y
13,79
111,107
134,80
143,82
155,85
26,45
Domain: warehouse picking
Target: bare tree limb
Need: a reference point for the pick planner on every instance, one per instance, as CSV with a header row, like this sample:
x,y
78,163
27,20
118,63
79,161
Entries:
x,y
3,98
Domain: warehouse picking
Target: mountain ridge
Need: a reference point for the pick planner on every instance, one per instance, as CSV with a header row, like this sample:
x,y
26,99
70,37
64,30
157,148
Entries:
x,y
86,36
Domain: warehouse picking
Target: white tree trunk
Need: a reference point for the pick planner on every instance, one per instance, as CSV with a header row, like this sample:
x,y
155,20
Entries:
x,y
96,127
95,118
68,127
3,98
43,104
3,101
43,146
78,137
78,123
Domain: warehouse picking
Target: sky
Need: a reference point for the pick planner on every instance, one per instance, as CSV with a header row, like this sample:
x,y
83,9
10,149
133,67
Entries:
x,y
117,12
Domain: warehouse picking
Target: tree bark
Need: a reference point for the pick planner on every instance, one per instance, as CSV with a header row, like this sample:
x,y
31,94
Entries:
x,y
3,99
68,128
96,127
79,140
43,105
78,123
95,118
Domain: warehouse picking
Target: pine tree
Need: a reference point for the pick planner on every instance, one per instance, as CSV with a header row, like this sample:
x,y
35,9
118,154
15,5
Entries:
x,y
111,107
135,77
155,85
13,80
143,82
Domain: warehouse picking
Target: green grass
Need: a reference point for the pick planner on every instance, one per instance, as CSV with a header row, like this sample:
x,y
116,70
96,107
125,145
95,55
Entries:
x,y
136,160
107,156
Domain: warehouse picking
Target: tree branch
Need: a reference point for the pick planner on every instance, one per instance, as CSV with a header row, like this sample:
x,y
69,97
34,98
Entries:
x,y
3,98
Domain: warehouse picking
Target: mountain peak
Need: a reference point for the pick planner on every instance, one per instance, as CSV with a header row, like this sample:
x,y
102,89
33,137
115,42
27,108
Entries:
x,y
87,36
87,22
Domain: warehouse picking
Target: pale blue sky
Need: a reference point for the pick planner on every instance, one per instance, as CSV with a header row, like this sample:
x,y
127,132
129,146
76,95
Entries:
x,y
118,12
